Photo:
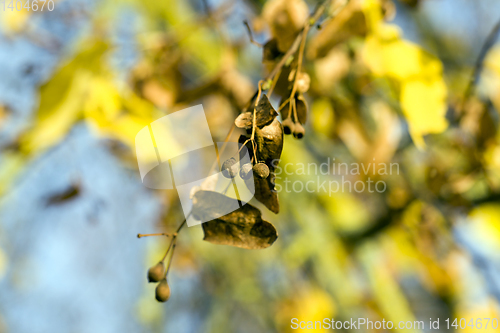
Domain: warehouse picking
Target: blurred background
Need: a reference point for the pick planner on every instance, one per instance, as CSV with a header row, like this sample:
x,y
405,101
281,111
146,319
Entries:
x,y
389,83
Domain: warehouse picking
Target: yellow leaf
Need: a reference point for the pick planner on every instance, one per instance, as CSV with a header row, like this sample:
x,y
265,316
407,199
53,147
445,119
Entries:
x,y
62,97
348,213
399,59
419,74
323,118
373,13
126,127
13,21
492,158
309,306
52,127
483,315
486,221
103,99
102,105
424,105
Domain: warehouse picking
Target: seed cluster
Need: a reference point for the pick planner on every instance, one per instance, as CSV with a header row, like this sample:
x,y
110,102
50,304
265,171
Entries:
x,y
244,227
230,169
157,274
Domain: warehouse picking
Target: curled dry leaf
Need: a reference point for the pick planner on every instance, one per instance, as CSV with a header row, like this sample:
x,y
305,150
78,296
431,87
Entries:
x,y
209,205
243,227
265,114
270,51
269,141
301,105
270,55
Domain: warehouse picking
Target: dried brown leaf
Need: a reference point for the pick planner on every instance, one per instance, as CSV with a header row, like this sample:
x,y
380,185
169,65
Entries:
x,y
265,114
269,141
209,205
270,51
301,105
243,227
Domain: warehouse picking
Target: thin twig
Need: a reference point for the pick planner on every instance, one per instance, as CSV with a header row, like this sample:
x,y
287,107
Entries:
x,y
183,222
242,146
332,15
301,56
478,67
169,247
226,140
294,110
174,238
296,43
227,187
275,80
156,234
171,258
250,35
299,67
284,103
254,122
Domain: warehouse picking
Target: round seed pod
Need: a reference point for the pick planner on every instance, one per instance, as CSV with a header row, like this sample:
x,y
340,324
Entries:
x,y
261,170
303,82
288,126
156,272
162,292
229,168
299,131
246,171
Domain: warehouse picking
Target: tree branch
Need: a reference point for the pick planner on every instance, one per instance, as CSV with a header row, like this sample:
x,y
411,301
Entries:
x,y
478,67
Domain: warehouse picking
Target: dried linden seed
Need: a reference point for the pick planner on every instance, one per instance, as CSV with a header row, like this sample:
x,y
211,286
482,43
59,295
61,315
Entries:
x,y
162,292
246,171
261,170
303,82
156,273
299,131
229,168
288,126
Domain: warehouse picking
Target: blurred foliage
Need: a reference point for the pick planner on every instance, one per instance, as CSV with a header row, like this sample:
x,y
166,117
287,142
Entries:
x,y
374,96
